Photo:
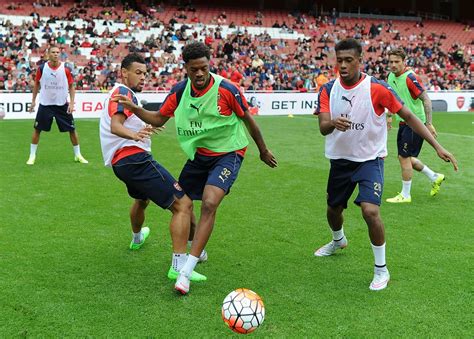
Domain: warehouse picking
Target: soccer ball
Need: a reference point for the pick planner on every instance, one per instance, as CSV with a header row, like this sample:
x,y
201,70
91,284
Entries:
x,y
243,310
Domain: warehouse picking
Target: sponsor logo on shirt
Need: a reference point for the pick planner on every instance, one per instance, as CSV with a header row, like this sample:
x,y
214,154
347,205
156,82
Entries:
x,y
344,98
197,108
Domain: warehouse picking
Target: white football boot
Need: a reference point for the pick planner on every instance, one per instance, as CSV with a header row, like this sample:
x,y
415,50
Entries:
x,y
331,247
381,279
182,284
203,256
31,160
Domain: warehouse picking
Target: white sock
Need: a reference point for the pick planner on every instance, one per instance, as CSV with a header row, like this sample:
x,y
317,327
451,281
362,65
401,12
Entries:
x,y
379,255
406,188
338,235
190,243
77,150
178,260
188,267
33,148
137,237
429,173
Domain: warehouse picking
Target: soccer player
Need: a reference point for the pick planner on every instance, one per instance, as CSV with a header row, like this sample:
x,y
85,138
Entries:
x,y
410,89
210,114
126,147
55,81
351,111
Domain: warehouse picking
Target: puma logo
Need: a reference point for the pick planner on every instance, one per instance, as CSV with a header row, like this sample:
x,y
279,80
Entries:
x,y
348,100
196,108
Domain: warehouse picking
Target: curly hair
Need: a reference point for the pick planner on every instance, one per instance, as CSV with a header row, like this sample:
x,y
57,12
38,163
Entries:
x,y
196,50
131,58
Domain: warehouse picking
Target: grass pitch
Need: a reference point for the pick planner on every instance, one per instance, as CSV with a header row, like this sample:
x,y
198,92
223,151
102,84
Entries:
x,y
65,270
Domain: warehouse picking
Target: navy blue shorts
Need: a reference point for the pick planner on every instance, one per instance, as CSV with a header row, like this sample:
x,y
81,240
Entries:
x,y
220,171
408,142
45,115
147,179
344,175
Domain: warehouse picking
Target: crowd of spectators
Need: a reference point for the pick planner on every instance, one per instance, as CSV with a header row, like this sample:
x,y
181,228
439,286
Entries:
x,y
255,62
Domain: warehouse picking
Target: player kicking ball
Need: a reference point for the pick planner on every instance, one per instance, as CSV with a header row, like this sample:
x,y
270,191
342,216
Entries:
x,y
126,147
211,116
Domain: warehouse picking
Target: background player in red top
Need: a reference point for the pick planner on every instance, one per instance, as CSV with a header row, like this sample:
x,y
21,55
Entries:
x,y
55,81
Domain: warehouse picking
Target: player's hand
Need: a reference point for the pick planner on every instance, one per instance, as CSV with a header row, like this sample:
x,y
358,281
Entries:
x,y
389,123
155,130
70,108
125,101
448,157
268,158
432,130
32,107
341,124
144,133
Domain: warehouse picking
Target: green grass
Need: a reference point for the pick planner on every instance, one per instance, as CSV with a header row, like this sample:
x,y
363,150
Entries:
x,y
65,270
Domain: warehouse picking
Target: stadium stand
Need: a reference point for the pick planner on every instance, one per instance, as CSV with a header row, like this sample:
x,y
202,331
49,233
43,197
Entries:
x,y
267,51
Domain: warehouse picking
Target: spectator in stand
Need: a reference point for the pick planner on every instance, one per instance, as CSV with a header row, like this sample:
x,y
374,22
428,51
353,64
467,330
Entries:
x,y
257,62
86,43
18,86
277,86
76,51
63,54
235,76
60,39
22,64
9,82
254,86
209,40
75,41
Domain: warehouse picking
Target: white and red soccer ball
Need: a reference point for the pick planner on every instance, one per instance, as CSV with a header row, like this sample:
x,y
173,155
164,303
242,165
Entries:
x,y
243,310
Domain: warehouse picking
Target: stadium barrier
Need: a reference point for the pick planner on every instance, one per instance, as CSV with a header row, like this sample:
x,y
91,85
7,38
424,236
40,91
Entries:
x,y
90,104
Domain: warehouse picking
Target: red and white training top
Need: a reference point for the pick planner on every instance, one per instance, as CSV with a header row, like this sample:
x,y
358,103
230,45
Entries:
x,y
114,147
54,84
364,105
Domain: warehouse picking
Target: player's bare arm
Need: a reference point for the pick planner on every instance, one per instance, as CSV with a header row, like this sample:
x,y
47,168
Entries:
x,y
327,126
35,94
265,154
117,128
420,129
428,112
72,96
150,117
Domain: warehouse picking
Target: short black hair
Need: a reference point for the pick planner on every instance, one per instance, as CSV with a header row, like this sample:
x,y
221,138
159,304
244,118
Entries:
x,y
196,50
131,58
350,43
